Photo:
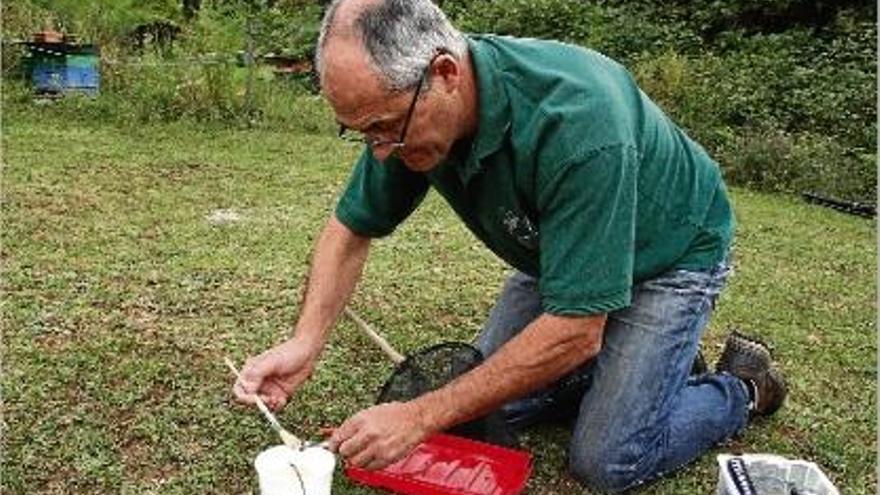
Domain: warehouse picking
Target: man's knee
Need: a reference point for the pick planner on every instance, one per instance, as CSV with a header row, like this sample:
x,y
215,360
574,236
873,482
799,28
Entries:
x,y
606,471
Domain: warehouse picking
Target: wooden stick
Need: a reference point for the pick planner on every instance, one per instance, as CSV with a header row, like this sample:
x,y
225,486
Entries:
x,y
375,337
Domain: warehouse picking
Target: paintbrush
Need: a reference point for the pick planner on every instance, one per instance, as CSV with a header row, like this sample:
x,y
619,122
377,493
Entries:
x,y
287,437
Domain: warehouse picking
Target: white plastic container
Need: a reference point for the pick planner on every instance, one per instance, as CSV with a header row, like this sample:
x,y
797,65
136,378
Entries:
x,y
770,475
285,471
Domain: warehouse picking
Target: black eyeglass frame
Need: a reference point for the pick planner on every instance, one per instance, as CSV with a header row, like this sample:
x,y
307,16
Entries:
x,y
399,143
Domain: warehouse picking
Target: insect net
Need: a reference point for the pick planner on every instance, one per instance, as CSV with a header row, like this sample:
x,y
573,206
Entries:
x,y
434,367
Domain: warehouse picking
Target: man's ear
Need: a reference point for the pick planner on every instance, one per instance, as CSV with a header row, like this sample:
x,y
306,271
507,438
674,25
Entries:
x,y
447,69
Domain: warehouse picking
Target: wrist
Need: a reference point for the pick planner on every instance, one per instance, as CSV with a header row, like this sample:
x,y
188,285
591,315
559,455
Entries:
x,y
305,334
304,346
310,335
428,413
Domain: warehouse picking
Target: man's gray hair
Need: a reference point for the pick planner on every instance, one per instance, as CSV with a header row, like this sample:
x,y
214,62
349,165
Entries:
x,y
400,36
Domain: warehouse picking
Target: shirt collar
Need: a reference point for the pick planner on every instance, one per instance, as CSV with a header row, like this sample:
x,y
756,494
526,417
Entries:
x,y
494,110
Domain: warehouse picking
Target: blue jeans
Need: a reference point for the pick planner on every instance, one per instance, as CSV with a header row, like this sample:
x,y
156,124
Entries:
x,y
637,411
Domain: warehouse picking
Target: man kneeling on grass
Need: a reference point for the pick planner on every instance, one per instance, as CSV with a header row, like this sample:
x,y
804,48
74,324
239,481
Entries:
x,y
618,226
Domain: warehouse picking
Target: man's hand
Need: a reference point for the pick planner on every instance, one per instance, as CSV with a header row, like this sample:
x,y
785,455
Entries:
x,y
276,373
380,435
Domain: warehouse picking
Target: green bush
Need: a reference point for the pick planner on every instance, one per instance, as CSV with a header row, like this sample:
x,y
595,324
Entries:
x,y
758,145
773,160
551,19
106,22
608,29
204,77
785,104
154,90
782,112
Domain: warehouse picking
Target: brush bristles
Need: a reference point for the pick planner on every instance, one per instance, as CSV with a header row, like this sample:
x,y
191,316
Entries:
x,y
290,439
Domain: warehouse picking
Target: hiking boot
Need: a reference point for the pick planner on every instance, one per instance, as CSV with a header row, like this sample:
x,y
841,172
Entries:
x,y
749,360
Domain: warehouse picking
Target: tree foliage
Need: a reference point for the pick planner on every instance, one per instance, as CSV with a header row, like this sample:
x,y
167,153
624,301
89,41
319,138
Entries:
x,y
782,92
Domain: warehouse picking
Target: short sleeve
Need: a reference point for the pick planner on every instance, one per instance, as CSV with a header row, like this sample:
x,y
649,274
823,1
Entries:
x,y
587,233
379,196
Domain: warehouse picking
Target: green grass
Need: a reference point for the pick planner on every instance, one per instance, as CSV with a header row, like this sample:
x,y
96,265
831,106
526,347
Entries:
x,y
120,299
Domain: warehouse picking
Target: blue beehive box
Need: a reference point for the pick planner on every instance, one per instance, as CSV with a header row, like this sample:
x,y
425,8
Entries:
x,y
62,68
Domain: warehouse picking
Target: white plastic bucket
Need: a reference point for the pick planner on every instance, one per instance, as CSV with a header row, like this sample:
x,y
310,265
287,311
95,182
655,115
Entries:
x,y
285,471
770,475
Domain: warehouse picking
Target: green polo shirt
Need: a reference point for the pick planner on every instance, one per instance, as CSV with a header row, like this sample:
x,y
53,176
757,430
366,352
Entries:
x,y
574,177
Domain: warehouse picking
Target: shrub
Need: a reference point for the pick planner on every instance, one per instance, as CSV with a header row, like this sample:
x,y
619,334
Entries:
x,y
550,19
608,29
202,77
782,112
773,160
784,104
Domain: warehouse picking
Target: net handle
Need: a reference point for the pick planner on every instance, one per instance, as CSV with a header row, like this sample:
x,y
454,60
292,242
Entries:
x,y
375,337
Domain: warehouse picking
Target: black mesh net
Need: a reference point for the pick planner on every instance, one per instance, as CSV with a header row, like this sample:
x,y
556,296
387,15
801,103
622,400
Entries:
x,y
433,367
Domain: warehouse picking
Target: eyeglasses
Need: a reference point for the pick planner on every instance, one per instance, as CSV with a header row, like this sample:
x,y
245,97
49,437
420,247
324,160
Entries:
x,y
358,137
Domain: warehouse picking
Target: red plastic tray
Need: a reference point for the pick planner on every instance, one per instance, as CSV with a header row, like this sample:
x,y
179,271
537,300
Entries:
x,y
450,465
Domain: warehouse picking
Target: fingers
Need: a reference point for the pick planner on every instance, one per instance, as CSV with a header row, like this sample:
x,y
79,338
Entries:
x,y
361,452
254,371
343,434
276,373
247,383
375,464
272,395
369,460
254,379
351,440
260,374
241,395
358,452
366,441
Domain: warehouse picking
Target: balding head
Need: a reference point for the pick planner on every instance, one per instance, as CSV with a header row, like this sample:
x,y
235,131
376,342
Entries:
x,y
339,20
395,39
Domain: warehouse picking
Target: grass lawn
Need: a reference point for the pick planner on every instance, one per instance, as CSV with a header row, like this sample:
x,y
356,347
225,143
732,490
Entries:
x,y
135,259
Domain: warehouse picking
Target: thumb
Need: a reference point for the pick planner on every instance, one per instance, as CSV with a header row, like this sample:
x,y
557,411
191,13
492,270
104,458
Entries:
x,y
254,372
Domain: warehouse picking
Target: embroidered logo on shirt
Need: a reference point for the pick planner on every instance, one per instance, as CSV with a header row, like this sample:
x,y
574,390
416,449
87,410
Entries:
x,y
520,227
